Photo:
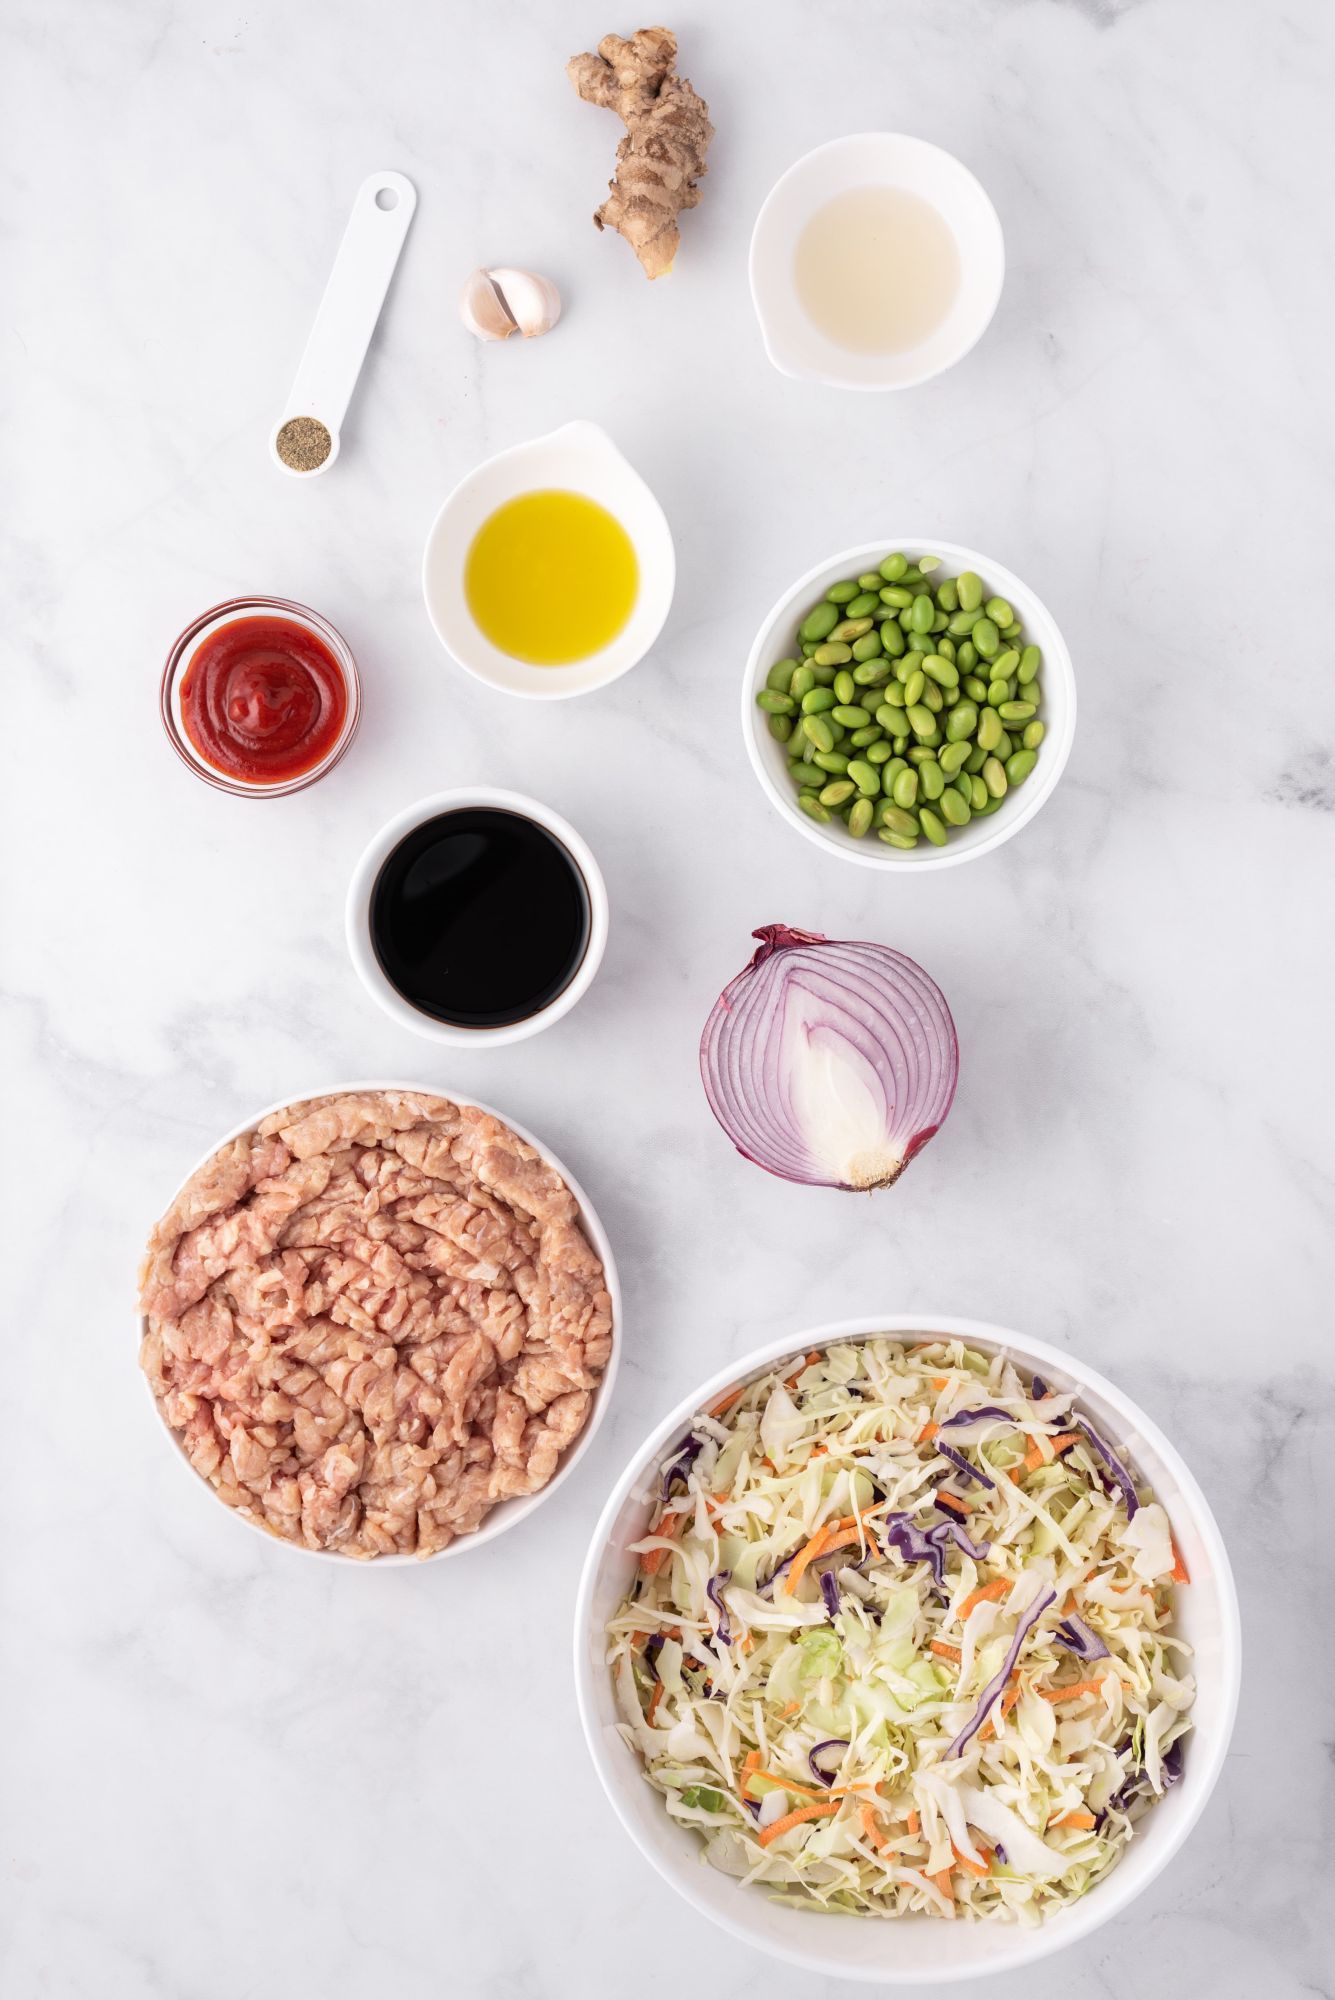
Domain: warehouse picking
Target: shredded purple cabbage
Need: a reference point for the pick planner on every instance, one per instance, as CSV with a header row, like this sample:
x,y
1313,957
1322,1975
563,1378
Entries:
x,y
682,1460
766,1589
1000,1853
712,1591
829,1590
1038,1389
914,1545
653,1647
835,1743
962,1464
955,1531
1080,1639
998,1682
977,1416
1121,1477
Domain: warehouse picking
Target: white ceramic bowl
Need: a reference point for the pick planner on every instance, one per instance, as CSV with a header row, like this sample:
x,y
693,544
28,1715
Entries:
x,y
869,159
915,1951
579,458
358,917
776,640
507,1513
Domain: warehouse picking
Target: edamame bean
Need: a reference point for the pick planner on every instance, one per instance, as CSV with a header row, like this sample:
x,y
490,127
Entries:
x,y
1016,711
838,789
824,676
894,567
997,692
780,676
816,700
921,720
896,596
818,732
1020,764
898,820
955,755
781,727
841,593
859,819
921,753
904,791
804,679
843,685
999,611
932,697
986,638
913,687
931,780
864,602
941,670
850,716
819,623
1034,732
834,653
1005,664
850,629
897,839
970,588
989,729
978,795
953,807
865,776
871,581
892,638
975,760
879,752
932,826
1005,746
775,704
1030,662
813,808
867,652
808,777
994,777
961,722
863,738
966,656
974,688
947,596
922,613
832,761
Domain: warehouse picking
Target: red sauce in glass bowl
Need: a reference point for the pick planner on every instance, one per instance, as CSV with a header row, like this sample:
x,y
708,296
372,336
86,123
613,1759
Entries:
x,y
263,700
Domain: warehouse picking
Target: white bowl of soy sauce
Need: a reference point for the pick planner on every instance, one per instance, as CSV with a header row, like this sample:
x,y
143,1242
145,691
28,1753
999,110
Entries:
x,y
477,916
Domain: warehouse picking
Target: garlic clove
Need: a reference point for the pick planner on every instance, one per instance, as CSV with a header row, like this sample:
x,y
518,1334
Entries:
x,y
495,304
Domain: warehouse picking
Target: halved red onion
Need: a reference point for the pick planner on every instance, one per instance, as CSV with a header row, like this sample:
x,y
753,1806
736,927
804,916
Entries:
x,y
828,1061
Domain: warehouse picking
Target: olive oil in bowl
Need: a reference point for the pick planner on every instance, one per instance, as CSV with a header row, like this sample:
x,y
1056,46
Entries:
x,y
551,577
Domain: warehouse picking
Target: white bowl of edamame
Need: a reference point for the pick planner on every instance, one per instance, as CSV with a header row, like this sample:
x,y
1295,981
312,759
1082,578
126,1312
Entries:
x,y
909,704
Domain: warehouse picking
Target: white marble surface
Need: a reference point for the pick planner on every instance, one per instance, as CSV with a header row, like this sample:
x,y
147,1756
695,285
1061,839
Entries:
x,y
225,1774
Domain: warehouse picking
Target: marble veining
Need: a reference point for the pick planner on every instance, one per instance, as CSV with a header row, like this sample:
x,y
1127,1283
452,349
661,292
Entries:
x,y
225,1774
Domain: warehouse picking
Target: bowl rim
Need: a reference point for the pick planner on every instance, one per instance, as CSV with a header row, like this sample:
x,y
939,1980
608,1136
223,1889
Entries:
x,y
232,608
842,142
506,1514
361,887
1076,1922
869,854
581,435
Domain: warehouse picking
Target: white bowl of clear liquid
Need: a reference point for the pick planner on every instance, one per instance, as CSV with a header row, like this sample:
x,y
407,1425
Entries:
x,y
876,263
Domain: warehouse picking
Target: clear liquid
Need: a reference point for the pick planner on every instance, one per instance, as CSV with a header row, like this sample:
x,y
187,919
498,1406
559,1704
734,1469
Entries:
x,y
877,270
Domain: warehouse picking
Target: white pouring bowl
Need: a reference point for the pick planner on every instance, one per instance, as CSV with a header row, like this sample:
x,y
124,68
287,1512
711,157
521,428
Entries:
x,y
776,640
793,342
915,1950
578,458
506,1514
361,889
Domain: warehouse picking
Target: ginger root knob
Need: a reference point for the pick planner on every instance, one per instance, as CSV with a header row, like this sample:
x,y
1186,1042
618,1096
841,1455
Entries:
x,y
662,155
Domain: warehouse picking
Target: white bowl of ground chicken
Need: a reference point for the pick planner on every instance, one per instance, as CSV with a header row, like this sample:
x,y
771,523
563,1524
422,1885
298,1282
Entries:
x,y
381,1322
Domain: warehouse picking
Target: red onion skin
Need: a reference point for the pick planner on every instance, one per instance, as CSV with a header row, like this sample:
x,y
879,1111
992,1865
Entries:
x,y
783,937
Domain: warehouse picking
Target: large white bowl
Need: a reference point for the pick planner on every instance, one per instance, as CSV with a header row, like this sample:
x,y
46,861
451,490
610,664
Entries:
x,y
578,458
915,1950
507,1513
793,342
777,640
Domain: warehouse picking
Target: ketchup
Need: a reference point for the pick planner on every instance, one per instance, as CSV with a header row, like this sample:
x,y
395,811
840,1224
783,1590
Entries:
x,y
263,699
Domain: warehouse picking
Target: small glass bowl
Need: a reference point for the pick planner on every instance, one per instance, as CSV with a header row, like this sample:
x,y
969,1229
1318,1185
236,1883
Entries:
x,y
184,650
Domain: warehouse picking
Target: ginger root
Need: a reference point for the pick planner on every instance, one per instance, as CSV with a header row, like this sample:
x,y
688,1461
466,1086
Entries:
x,y
667,135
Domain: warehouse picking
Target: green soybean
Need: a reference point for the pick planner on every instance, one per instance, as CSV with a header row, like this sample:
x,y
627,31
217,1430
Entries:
x,y
850,715
1034,732
923,613
955,754
921,720
994,777
989,729
813,808
844,686
970,588
897,839
897,819
833,654
932,826
841,593
1030,662
819,622
913,687
775,704
867,652
832,761
986,638
961,722
1020,764
862,739
816,700
865,601
865,776
904,791
894,567
818,732
804,679
807,776
859,818
852,628
999,611
780,676
879,752
944,672
953,807
837,791
781,727
1016,711
931,779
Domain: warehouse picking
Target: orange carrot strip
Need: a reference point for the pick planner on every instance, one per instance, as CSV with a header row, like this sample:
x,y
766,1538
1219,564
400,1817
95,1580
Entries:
x,y
653,1559
790,1708
750,1765
964,1862
870,1830
944,1883
725,1403
792,1819
791,1784
939,1382
943,1651
1006,1704
1078,1819
654,1700
1180,1571
913,1821
927,1432
985,1591
954,1501
1071,1691
810,1362
1036,1456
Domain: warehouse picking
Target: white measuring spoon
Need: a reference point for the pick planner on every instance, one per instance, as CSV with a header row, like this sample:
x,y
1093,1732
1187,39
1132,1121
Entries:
x,y
328,370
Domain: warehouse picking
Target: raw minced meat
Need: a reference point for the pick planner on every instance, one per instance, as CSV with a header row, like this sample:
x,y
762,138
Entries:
x,y
372,1318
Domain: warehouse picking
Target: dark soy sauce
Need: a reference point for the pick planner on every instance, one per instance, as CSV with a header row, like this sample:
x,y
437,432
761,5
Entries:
x,y
480,917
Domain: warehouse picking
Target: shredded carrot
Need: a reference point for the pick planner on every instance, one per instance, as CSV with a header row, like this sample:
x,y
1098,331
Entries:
x,y
653,1559
1180,1571
944,1883
750,1765
927,1432
971,1866
792,1819
872,1832
819,1451
834,1535
1071,1691
1078,1819
747,1642
914,1822
943,1651
725,1403
790,1708
770,1463
985,1591
1036,1455
955,1501
654,1700
810,1362
791,1784
1006,1704
940,1382
1016,1474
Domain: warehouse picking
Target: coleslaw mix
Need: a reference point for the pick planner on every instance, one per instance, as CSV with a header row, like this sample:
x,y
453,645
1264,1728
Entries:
x,y
899,1637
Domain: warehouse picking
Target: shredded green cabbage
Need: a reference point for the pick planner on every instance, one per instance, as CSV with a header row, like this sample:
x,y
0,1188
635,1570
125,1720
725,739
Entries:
x,y
882,1671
